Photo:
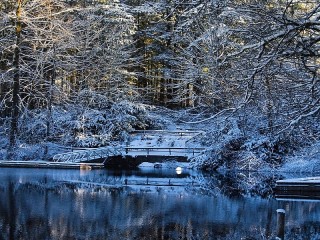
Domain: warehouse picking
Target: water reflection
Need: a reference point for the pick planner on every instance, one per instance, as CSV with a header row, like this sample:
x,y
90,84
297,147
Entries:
x,y
70,204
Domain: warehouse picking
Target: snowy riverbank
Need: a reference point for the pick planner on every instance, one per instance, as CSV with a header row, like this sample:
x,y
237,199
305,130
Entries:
x,y
230,143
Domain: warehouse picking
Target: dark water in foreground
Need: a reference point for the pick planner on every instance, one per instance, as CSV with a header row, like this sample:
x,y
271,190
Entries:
x,y
73,204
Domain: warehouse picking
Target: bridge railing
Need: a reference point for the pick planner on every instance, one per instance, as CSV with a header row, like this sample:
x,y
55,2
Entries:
x,y
99,153
169,132
165,151
88,154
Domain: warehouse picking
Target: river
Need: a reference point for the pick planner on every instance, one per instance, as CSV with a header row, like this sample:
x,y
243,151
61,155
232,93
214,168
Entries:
x,y
144,203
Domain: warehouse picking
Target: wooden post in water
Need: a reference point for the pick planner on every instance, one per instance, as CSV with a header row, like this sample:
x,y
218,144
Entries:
x,y
127,145
280,223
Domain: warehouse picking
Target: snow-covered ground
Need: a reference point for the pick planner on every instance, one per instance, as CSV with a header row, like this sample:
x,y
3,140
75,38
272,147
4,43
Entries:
x,y
120,130
230,143
305,160
160,139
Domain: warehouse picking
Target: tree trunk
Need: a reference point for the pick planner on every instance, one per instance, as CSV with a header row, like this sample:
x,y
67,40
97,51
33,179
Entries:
x,y
50,99
16,79
269,105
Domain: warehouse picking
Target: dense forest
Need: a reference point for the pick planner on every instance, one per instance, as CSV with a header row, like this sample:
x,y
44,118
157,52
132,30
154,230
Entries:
x,y
90,71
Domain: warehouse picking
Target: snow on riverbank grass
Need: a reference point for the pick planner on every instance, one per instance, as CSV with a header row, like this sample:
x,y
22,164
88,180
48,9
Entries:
x,y
27,152
305,160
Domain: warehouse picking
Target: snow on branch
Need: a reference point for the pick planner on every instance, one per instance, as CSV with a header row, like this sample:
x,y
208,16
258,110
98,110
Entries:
x,y
300,117
213,116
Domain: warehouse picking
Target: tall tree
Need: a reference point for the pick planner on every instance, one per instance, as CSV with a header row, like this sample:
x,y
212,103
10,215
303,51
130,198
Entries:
x,y
7,43
16,77
39,38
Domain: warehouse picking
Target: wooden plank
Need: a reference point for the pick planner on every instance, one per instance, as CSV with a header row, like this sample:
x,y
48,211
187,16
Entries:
x,y
298,188
189,132
45,164
299,180
297,198
166,148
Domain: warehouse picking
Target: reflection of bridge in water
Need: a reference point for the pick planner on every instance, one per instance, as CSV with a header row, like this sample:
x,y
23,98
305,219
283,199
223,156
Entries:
x,y
151,146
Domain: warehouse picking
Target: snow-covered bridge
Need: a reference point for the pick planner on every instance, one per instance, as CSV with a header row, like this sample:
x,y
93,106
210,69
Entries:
x,y
140,143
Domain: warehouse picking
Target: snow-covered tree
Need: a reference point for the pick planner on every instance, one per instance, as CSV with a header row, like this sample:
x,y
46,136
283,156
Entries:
x,y
41,44
52,52
102,55
154,42
276,47
201,40
10,102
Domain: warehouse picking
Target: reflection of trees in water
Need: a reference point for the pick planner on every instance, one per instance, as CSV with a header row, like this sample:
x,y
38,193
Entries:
x,y
76,211
232,184
175,230
70,212
236,184
310,229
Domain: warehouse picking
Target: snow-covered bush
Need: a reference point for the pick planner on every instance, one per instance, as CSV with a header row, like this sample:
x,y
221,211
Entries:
x,y
24,152
93,100
223,140
207,160
94,128
86,127
238,142
304,160
136,115
33,126
127,116
29,152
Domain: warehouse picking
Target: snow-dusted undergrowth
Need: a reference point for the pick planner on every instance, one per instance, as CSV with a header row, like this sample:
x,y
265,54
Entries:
x,y
74,125
242,141
233,141
305,160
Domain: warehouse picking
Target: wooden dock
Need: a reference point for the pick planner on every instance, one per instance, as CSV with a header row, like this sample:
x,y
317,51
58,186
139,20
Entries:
x,y
47,164
298,188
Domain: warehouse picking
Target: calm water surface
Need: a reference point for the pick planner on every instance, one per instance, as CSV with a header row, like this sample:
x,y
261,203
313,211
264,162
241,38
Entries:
x,y
142,204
